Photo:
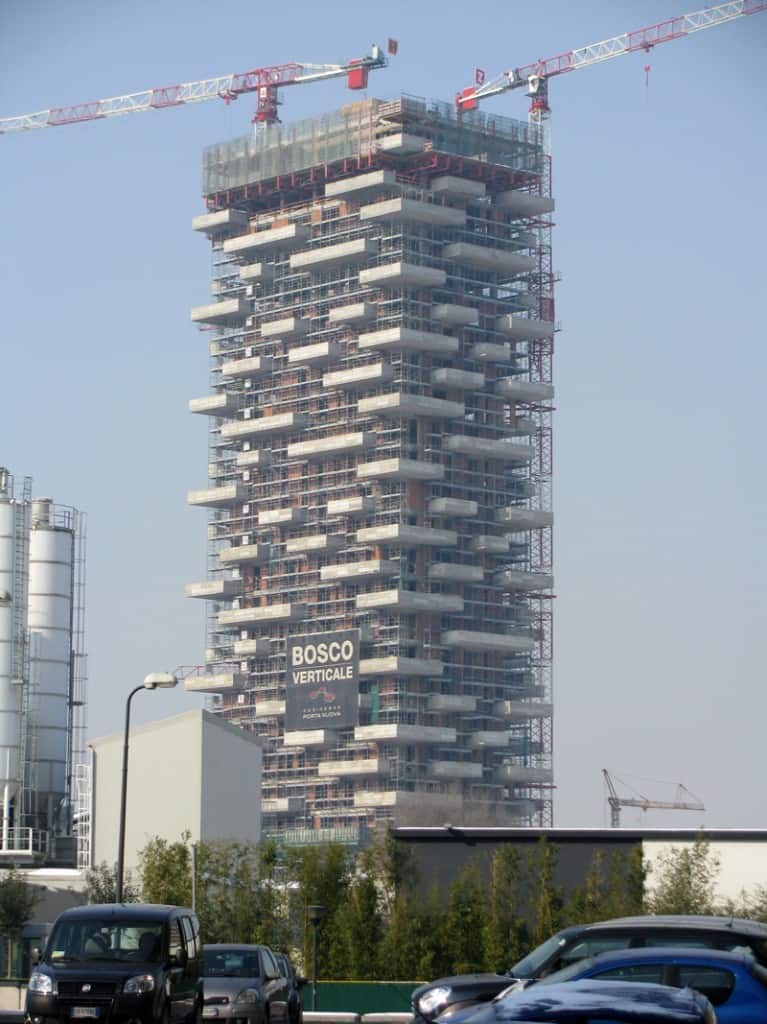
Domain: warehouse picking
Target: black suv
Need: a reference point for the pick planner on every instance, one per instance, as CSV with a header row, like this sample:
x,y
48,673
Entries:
x,y
446,995
115,962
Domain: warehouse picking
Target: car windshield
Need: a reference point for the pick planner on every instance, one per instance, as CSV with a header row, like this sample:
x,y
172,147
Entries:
x,y
529,966
89,938
231,963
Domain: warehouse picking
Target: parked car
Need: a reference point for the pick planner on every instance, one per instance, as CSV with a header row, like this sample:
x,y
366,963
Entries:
x,y
727,933
733,982
296,982
118,962
587,1002
243,983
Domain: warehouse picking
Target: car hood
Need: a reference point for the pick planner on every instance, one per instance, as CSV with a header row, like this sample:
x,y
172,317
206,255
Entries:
x,y
625,1001
223,986
479,987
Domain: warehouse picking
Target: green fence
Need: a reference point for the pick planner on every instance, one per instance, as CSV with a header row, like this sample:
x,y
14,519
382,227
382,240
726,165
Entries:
x,y
362,996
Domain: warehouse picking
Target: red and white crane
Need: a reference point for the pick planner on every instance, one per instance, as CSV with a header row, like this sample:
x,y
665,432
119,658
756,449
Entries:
x,y
534,77
265,82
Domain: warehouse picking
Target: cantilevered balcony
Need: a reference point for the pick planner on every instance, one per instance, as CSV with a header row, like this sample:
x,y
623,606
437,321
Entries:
x,y
455,770
518,519
505,262
291,236
490,739
262,425
451,702
223,313
235,618
522,775
309,738
523,709
413,211
490,545
452,185
392,732
402,143
484,448
316,543
355,313
511,579
360,183
268,708
351,768
402,404
409,602
403,275
319,354
221,223
260,647
451,571
225,682
254,459
522,328
218,404
393,665
517,390
400,469
282,516
245,554
214,590
218,497
456,316
358,505
491,352
257,273
499,643
408,339
359,377
403,535
459,380
282,805
252,366
523,204
358,250
286,327
461,507
335,445
372,568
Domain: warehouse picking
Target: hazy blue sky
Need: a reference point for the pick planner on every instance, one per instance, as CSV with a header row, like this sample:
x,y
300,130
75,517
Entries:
x,y
660,493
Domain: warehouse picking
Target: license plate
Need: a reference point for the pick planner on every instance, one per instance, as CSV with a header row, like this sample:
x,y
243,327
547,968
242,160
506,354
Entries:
x,y
209,1011
85,1011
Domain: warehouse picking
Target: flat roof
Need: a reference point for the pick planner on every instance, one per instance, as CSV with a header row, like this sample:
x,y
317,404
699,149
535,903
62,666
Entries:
x,y
472,834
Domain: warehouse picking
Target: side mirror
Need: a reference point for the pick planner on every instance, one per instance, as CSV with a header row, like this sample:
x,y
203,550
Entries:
x,y
35,955
301,980
179,959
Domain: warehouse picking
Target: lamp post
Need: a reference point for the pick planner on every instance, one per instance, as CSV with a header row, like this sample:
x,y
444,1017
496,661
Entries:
x,y
315,914
154,681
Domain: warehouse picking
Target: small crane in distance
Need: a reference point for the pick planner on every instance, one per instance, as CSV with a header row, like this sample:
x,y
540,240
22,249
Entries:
x,y
535,77
265,82
685,801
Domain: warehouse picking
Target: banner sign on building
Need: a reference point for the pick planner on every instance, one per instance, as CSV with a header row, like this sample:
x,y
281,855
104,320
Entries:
x,y
322,681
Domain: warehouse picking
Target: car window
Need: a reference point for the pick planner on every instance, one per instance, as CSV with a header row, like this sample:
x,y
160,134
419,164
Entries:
x,y
715,982
687,941
590,946
652,973
271,970
186,925
175,941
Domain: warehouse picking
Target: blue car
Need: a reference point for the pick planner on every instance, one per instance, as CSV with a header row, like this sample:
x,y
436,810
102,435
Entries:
x,y
734,982
598,1002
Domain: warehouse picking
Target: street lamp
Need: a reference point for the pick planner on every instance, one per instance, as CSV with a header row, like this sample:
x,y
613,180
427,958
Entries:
x,y
315,914
154,681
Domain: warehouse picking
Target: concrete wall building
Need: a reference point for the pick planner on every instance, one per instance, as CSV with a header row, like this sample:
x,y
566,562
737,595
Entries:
x,y
189,773
380,336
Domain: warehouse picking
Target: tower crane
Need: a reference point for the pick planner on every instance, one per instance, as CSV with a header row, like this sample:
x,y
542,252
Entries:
x,y
535,77
265,82
685,801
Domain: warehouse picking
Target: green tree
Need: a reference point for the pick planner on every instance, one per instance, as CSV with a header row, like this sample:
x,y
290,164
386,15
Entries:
x,y
404,951
465,923
685,880
101,885
358,925
504,936
17,902
166,871
546,895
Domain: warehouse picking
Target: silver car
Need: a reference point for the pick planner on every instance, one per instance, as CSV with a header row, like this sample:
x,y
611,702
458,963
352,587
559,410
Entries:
x,y
243,984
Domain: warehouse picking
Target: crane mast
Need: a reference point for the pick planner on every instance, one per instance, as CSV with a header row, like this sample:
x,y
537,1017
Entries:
x,y
534,77
682,803
265,82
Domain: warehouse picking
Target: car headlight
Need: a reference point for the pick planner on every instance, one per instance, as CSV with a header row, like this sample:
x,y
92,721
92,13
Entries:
x,y
433,1002
40,984
247,997
139,984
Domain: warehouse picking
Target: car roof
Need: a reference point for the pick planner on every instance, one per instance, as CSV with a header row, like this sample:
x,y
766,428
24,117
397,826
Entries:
x,y
698,922
136,911
639,1002
643,953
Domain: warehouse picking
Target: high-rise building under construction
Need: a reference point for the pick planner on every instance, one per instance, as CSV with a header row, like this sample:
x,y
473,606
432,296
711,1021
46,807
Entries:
x,y
380,521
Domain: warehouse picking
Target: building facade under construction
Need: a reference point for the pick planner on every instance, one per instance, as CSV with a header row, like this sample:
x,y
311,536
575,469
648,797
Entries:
x,y
380,580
